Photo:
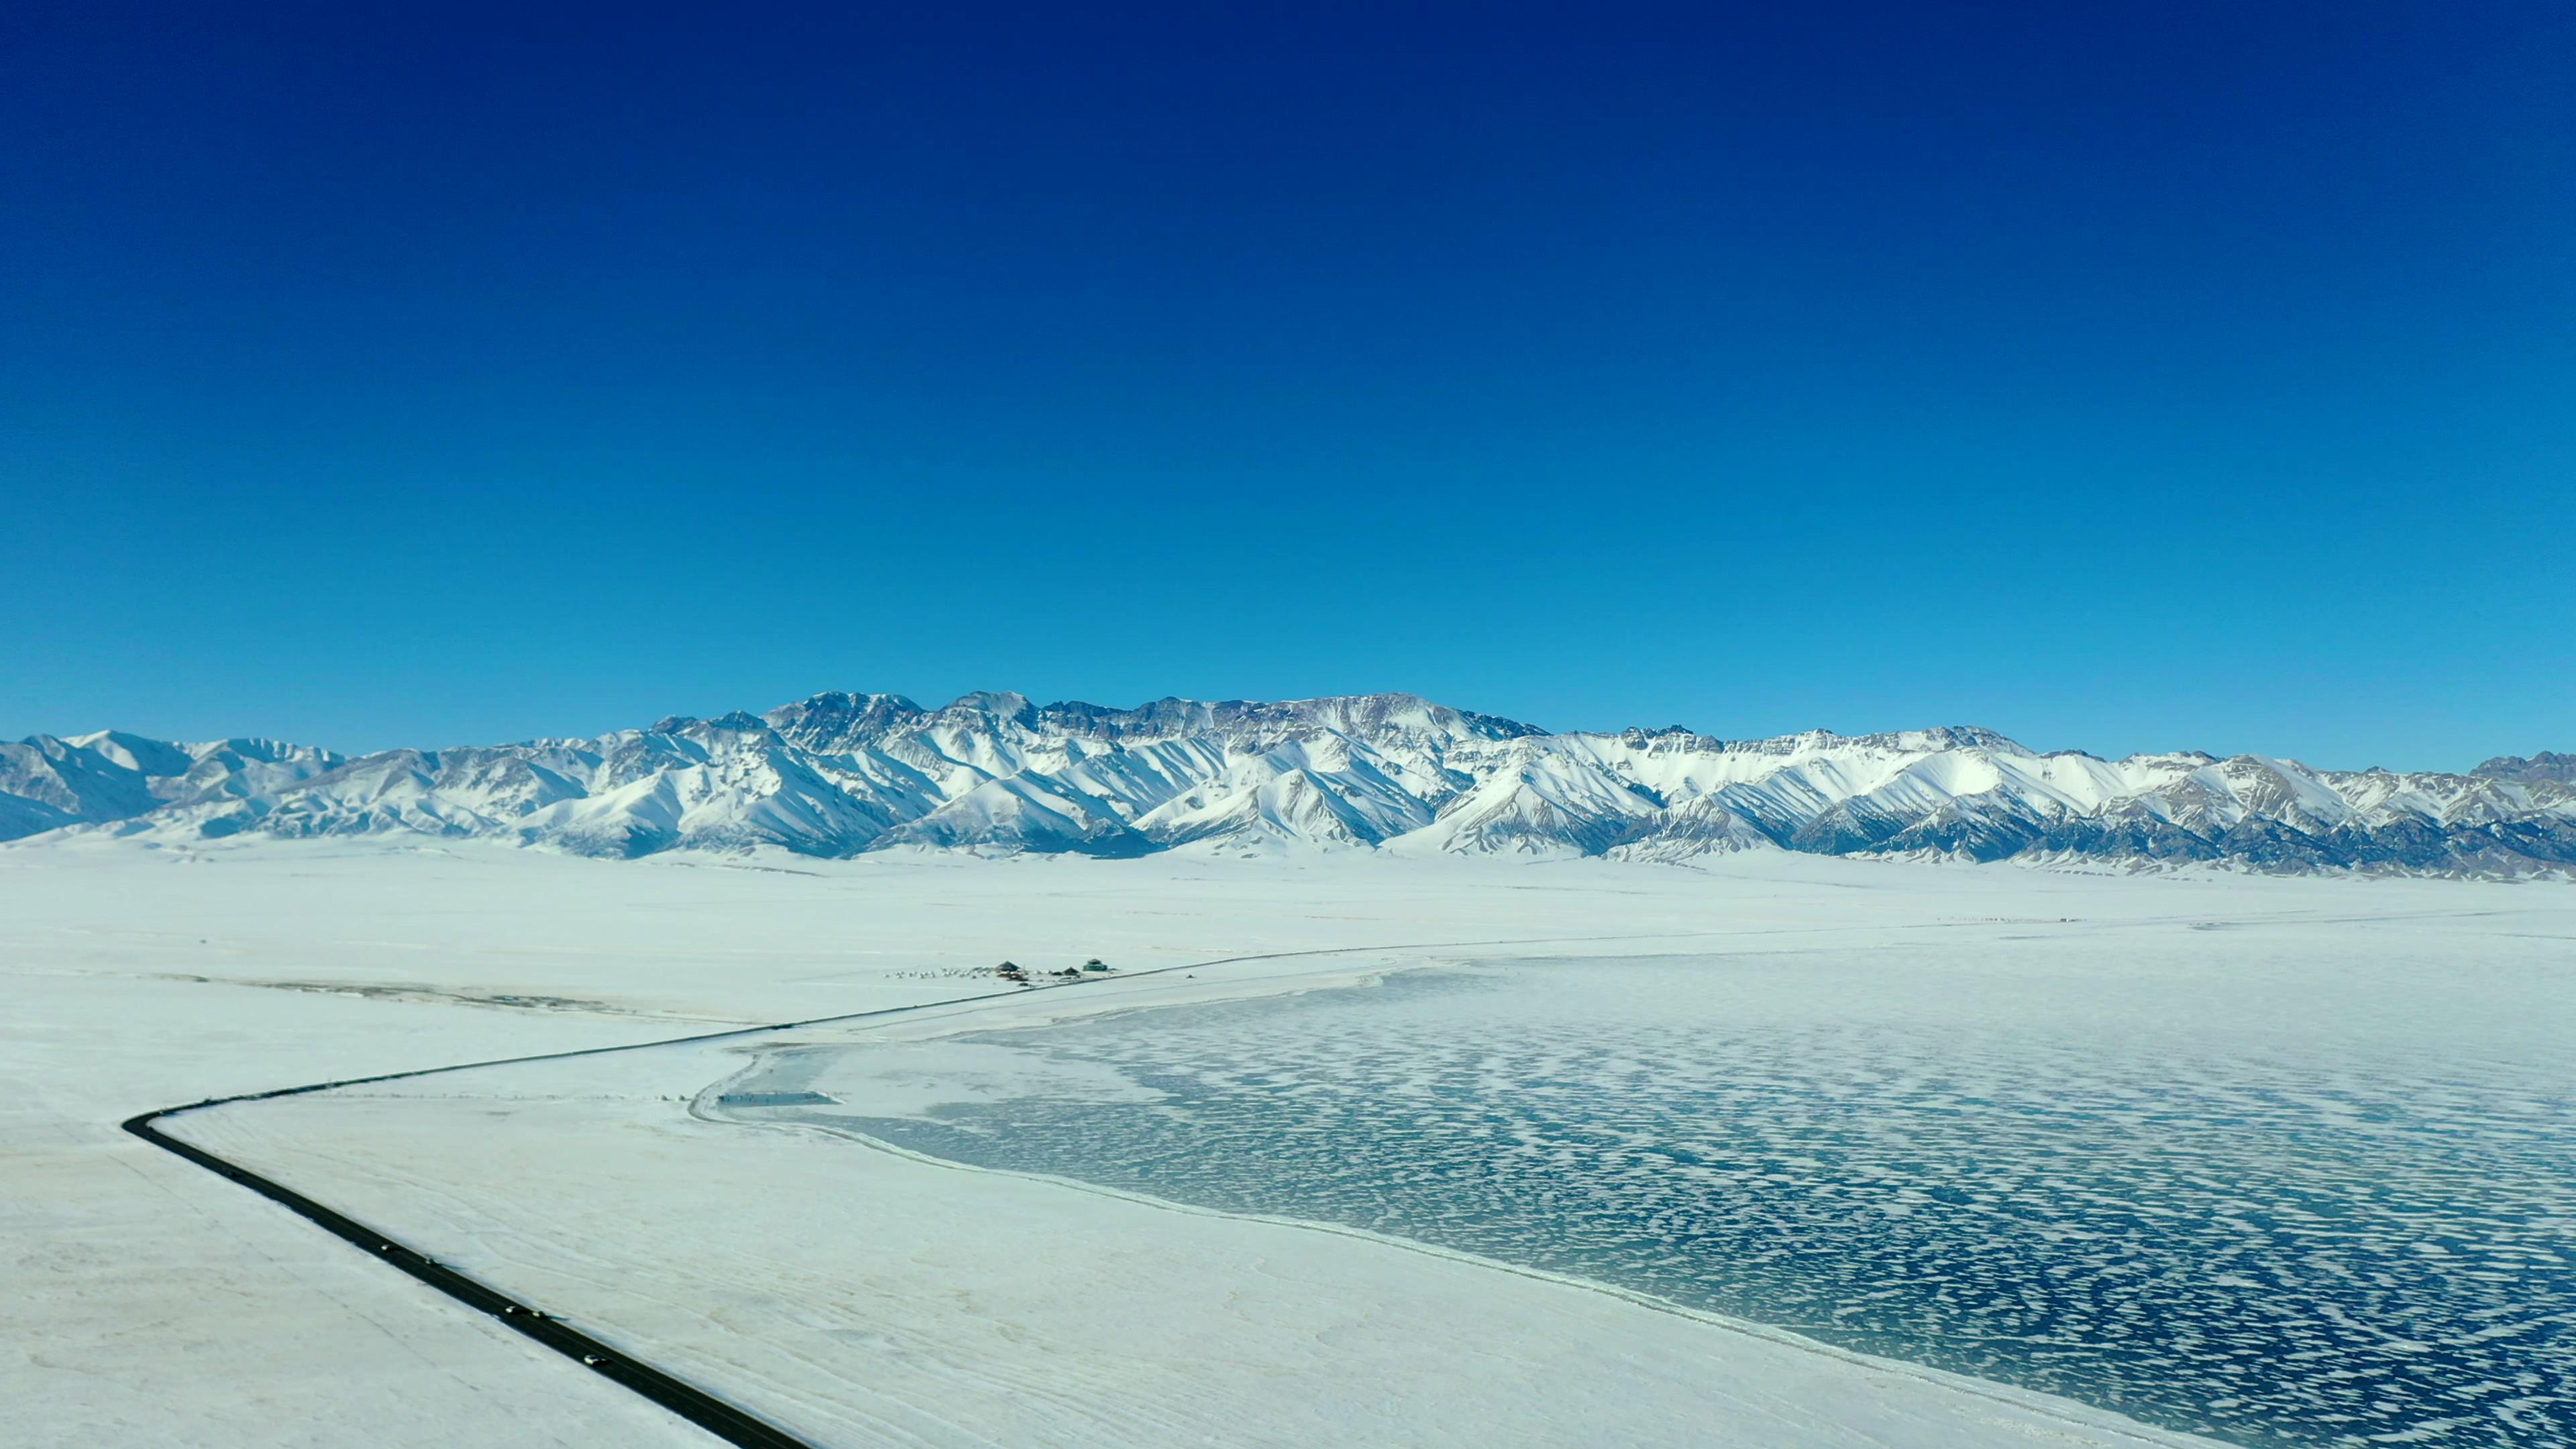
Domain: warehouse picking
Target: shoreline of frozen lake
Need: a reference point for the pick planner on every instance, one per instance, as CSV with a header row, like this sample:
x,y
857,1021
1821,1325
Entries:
x,y
2226,1201
856,1294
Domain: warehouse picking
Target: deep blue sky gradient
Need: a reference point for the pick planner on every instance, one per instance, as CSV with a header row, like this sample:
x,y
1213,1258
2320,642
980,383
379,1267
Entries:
x,y
2125,377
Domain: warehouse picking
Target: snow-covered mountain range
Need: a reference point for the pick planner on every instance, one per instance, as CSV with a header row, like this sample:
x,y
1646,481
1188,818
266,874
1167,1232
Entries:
x,y
839,774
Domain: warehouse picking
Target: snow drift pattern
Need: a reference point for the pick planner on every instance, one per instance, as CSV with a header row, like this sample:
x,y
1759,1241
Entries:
x,y
839,774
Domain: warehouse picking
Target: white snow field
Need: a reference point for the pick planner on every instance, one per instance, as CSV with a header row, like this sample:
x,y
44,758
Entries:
x,y
858,1294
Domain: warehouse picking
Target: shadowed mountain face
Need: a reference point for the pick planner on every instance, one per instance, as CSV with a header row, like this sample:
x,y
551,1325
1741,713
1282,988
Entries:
x,y
839,774
2547,767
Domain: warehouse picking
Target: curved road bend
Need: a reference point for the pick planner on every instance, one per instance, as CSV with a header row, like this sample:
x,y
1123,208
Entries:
x,y
725,1421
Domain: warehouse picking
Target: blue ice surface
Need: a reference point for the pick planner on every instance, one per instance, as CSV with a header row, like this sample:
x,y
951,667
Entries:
x,y
2261,1210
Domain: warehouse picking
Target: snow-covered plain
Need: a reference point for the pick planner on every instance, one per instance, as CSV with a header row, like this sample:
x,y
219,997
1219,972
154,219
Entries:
x,y
867,1296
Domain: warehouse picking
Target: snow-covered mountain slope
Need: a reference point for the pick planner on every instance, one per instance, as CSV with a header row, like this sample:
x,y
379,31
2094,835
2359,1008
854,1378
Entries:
x,y
839,774
48,782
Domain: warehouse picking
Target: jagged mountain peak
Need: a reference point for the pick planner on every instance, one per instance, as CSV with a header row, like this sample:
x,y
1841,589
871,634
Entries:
x,y
1008,705
836,721
1936,739
1368,715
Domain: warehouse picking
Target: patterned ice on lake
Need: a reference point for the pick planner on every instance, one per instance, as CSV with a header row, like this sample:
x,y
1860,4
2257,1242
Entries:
x,y
2267,1196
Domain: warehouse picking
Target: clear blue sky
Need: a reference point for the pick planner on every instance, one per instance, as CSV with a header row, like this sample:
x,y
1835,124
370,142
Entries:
x,y
2120,377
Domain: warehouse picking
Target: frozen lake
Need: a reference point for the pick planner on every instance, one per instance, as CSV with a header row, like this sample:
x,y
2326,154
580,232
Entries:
x,y
2257,1184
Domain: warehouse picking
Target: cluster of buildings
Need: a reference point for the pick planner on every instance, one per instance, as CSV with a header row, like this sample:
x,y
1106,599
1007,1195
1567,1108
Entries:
x,y
1013,971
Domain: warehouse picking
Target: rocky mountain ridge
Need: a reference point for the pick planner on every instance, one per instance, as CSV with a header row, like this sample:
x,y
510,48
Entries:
x,y
839,774
2549,766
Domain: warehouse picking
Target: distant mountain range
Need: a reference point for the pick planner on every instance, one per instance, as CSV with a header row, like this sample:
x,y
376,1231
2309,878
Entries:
x,y
840,774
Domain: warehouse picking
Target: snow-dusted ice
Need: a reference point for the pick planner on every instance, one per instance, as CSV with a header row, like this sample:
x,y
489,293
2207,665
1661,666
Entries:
x,y
2267,1185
